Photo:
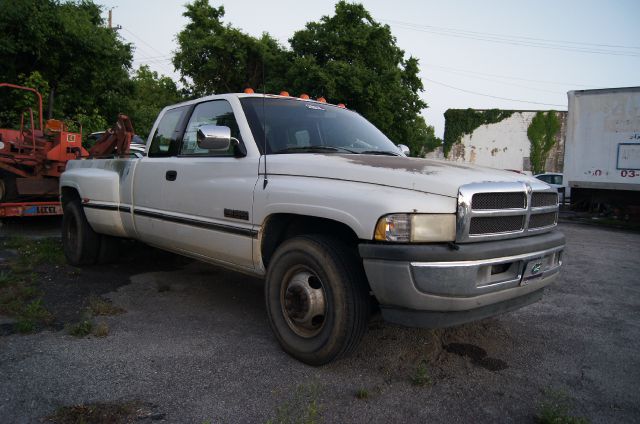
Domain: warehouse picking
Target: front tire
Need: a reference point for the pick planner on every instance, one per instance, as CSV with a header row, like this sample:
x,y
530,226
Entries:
x,y
317,298
80,243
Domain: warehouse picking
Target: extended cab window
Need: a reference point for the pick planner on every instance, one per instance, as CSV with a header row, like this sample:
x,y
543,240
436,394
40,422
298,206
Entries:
x,y
166,138
216,112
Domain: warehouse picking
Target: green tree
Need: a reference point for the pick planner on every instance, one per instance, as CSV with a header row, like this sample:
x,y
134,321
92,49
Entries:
x,y
150,94
217,58
542,135
84,63
353,59
347,58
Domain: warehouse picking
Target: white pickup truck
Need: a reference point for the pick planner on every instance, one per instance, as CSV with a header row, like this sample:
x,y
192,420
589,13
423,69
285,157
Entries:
x,y
332,214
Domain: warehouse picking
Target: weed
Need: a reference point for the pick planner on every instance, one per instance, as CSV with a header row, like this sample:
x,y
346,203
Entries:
x,y
101,307
19,298
421,376
80,329
362,394
554,409
31,315
164,287
98,413
303,408
101,330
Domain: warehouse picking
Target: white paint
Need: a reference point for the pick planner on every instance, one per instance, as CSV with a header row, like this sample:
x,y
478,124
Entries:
x,y
603,139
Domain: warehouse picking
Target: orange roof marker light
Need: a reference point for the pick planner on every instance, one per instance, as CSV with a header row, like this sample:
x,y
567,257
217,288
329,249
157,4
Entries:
x,y
321,100
248,90
284,93
342,105
304,96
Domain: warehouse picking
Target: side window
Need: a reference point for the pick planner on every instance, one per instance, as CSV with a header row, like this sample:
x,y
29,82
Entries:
x,y
216,112
165,139
544,178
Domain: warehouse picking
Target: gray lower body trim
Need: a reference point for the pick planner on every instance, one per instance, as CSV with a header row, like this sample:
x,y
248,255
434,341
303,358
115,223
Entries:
x,y
438,319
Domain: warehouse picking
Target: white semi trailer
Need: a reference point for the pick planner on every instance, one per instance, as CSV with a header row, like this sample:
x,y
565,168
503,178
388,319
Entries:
x,y
602,150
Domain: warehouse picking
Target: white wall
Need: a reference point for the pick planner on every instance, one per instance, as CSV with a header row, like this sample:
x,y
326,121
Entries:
x,y
505,145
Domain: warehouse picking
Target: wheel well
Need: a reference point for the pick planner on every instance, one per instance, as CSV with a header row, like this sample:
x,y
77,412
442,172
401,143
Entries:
x,y
67,194
280,227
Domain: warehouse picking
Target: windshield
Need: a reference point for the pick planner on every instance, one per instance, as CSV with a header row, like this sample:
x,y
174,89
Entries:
x,y
295,126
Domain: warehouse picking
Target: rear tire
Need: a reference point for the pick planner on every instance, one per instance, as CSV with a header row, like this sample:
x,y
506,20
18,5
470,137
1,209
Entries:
x,y
317,298
108,251
80,243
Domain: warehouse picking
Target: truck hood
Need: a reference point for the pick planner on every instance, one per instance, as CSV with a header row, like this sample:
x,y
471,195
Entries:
x,y
425,175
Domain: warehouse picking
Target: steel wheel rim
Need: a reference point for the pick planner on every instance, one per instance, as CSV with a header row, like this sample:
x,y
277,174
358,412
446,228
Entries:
x,y
303,302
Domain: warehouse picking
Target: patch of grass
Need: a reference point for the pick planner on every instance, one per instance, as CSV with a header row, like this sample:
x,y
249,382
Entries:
x,y
555,409
101,330
421,375
97,413
33,314
80,329
362,394
302,408
37,252
102,307
19,298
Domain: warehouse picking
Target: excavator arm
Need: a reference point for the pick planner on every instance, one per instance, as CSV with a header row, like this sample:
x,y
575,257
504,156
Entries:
x,y
116,140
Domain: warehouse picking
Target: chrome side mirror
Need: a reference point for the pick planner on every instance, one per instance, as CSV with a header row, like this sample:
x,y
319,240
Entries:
x,y
214,137
404,149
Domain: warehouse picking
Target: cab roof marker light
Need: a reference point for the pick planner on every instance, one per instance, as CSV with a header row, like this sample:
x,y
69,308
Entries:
x,y
248,90
304,96
284,93
321,100
341,105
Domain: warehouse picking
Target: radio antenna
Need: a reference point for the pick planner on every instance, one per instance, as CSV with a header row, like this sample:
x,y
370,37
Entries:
x,y
264,126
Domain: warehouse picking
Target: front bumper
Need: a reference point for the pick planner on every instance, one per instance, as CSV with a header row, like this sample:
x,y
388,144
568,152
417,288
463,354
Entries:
x,y
440,285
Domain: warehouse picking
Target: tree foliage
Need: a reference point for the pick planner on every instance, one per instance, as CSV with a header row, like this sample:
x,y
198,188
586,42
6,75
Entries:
x,y
84,63
461,122
151,93
542,134
348,58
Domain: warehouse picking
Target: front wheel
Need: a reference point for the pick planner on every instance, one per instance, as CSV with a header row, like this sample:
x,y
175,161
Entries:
x,y
317,298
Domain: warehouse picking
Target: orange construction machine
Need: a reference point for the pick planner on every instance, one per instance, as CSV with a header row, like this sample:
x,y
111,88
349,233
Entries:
x,y
31,161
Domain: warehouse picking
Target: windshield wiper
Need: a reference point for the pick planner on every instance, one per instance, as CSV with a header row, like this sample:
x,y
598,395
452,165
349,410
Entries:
x,y
379,152
312,149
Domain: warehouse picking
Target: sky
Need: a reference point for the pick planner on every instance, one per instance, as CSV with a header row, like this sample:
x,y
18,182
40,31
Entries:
x,y
520,55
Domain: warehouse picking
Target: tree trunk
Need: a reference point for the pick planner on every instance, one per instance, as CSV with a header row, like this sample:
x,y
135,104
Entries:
x,y
50,105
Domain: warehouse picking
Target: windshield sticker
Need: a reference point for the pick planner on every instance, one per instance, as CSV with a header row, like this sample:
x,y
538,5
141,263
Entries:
x,y
314,107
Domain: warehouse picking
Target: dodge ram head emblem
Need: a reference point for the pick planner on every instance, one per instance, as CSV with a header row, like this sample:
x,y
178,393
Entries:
x,y
536,268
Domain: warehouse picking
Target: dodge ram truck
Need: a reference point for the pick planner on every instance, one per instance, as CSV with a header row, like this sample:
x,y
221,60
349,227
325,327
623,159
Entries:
x,y
334,217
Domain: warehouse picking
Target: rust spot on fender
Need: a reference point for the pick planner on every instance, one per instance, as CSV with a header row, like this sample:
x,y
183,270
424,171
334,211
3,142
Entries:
x,y
414,165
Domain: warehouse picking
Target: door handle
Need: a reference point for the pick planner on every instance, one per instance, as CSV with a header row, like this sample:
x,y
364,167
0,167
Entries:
x,y
171,175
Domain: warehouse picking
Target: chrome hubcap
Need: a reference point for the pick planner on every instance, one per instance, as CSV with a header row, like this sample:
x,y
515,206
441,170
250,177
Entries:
x,y
303,303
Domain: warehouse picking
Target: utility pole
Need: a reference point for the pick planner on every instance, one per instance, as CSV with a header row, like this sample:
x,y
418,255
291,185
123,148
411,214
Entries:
x,y
110,17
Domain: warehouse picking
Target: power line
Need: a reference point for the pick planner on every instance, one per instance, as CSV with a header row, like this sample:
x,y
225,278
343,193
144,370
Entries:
x,y
489,95
511,77
513,36
511,41
499,82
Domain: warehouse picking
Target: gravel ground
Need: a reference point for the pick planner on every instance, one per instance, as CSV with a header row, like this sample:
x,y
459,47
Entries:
x,y
195,346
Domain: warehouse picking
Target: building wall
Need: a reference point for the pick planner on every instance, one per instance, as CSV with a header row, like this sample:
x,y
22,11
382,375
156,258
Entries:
x,y
505,145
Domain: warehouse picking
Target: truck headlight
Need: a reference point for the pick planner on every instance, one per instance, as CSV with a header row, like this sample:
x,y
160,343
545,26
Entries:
x,y
416,228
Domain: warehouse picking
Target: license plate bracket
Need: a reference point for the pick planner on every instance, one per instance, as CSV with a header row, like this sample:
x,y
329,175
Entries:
x,y
532,271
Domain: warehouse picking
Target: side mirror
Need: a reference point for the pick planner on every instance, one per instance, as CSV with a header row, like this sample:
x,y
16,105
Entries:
x,y
213,137
404,149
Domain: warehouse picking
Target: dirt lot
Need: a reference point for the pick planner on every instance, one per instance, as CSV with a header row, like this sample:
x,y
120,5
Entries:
x,y
193,345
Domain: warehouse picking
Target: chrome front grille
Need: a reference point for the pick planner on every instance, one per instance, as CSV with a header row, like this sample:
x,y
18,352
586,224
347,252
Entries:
x,y
495,224
489,211
499,201
544,199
